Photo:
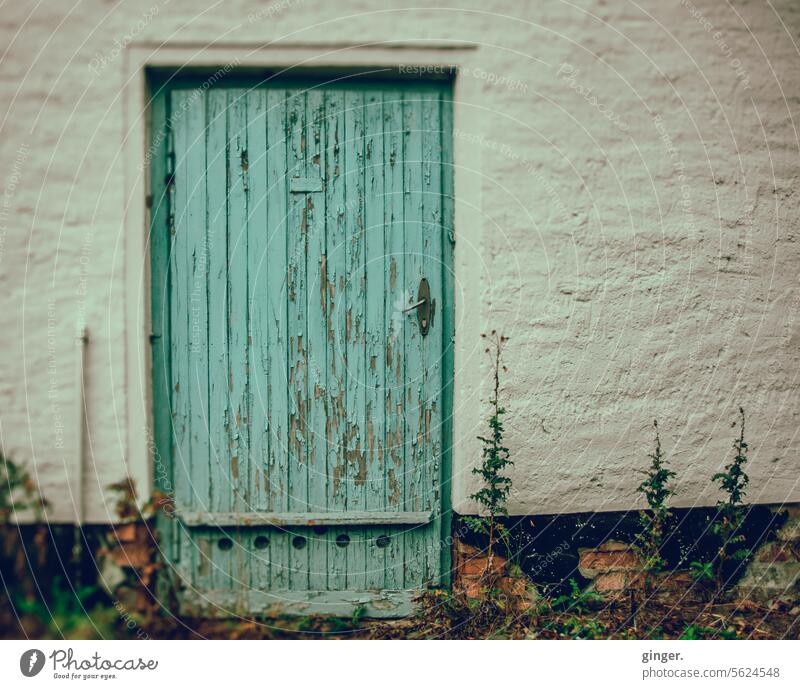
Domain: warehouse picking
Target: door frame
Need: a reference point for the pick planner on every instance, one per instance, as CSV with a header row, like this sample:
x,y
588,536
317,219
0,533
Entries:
x,y
149,466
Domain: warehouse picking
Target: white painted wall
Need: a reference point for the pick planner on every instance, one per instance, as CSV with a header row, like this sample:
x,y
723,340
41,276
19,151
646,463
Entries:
x,y
627,215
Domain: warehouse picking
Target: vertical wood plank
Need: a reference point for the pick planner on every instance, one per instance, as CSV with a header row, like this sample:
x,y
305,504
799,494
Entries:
x,y
180,270
179,319
355,330
297,245
258,323
276,297
448,333
398,296
238,298
238,307
160,239
218,390
336,278
197,263
413,391
375,332
316,304
432,259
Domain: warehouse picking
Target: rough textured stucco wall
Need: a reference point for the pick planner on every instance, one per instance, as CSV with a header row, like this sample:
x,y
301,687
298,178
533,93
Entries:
x,y
638,170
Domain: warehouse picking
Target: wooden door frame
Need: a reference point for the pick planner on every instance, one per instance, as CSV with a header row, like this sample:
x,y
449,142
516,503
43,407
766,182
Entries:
x,y
145,435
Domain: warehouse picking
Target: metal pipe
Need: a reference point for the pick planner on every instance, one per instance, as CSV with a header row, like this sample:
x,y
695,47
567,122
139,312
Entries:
x,y
80,508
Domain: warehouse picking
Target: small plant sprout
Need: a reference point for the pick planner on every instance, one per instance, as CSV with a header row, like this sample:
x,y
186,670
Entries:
x,y
731,511
577,600
702,571
657,490
493,495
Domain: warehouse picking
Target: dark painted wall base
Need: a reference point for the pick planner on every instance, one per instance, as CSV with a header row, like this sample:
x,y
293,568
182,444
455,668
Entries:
x,y
44,553
546,546
37,559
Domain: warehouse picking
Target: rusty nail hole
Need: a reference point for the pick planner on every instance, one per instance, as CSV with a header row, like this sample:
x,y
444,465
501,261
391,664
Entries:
x,y
225,543
343,540
319,530
382,541
261,542
299,542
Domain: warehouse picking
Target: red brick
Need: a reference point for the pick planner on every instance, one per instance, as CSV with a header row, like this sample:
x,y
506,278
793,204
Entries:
x,y
520,596
513,586
466,550
777,552
790,531
611,546
635,580
135,555
677,580
477,566
473,589
126,533
473,567
613,581
609,562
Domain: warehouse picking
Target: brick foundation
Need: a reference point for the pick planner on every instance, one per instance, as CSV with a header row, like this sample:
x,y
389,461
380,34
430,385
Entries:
x,y
614,570
774,573
473,574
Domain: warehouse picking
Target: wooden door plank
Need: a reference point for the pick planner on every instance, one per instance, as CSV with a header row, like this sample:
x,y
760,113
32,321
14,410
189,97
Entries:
x,y
432,256
160,239
397,298
238,303
317,381
258,324
385,604
277,320
375,340
179,315
336,278
159,242
196,252
179,304
218,392
297,246
448,334
413,391
238,308
193,220
310,519
354,329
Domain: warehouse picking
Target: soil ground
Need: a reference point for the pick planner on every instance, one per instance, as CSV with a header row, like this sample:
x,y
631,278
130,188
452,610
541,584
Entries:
x,y
444,618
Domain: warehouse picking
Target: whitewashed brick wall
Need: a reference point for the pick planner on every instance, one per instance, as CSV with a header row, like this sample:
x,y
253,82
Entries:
x,y
639,194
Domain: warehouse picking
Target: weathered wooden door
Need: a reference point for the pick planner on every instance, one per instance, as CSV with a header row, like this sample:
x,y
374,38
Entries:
x,y
302,389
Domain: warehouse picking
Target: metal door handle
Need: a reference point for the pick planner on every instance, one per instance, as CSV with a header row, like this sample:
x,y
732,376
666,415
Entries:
x,y
414,306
